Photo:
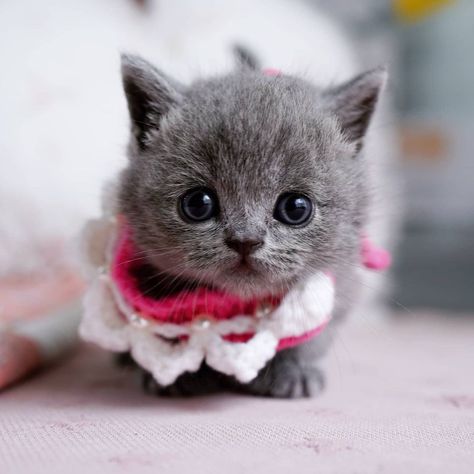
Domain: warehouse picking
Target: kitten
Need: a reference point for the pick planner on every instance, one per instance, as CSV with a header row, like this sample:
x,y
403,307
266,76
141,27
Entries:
x,y
249,183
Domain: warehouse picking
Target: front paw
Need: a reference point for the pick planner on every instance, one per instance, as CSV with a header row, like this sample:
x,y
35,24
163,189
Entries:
x,y
287,379
203,382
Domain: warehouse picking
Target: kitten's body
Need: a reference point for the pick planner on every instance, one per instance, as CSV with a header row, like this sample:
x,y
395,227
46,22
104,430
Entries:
x,y
250,138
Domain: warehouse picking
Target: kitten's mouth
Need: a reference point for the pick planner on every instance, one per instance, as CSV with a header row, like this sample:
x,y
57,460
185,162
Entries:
x,y
158,284
246,265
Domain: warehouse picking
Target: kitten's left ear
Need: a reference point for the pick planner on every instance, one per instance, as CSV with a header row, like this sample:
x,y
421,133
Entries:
x,y
245,58
354,102
150,95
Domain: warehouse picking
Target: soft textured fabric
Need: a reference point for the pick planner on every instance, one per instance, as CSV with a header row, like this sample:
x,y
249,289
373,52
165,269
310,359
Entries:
x,y
400,399
19,356
38,320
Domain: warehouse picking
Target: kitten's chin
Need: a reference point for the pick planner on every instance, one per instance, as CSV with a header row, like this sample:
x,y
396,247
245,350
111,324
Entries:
x,y
247,282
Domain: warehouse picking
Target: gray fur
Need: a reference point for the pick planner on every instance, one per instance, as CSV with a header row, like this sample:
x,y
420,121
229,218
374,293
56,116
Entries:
x,y
250,138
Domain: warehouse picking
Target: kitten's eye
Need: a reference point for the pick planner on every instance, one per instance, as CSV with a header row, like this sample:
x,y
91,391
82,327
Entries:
x,y
199,204
293,209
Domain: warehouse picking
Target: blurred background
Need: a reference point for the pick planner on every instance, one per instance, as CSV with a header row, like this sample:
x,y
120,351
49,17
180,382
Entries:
x,y
63,121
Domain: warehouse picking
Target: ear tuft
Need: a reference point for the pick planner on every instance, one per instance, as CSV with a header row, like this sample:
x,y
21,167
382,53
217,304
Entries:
x,y
354,103
150,95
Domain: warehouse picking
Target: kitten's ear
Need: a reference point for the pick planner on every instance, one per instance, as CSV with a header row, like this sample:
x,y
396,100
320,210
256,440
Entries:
x,y
354,102
150,95
245,58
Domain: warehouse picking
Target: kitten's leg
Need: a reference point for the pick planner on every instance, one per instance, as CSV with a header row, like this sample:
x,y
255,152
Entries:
x,y
125,360
292,373
205,381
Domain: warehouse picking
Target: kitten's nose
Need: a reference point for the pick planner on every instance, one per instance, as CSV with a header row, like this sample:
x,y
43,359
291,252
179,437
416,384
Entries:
x,y
244,246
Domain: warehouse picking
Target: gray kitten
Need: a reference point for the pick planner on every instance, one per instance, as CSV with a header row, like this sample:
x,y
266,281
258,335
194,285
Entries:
x,y
249,183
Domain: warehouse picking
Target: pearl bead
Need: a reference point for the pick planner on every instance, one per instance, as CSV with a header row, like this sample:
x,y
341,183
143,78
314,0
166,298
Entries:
x,y
138,321
203,323
263,310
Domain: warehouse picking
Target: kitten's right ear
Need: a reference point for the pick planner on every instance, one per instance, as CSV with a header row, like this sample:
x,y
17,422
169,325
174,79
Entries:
x,y
353,103
150,95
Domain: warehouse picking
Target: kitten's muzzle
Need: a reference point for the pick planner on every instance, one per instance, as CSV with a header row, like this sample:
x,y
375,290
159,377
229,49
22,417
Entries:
x,y
244,247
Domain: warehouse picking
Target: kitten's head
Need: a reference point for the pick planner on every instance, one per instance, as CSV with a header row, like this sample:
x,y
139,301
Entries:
x,y
246,182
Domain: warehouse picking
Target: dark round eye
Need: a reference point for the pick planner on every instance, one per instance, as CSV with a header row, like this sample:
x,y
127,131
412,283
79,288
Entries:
x,y
293,209
199,204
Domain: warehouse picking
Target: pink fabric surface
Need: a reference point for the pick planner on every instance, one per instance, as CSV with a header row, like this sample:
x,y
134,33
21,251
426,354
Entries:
x,y
373,257
400,399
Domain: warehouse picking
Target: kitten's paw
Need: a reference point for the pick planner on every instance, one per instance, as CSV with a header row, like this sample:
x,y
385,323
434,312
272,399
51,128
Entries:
x,y
203,382
287,381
